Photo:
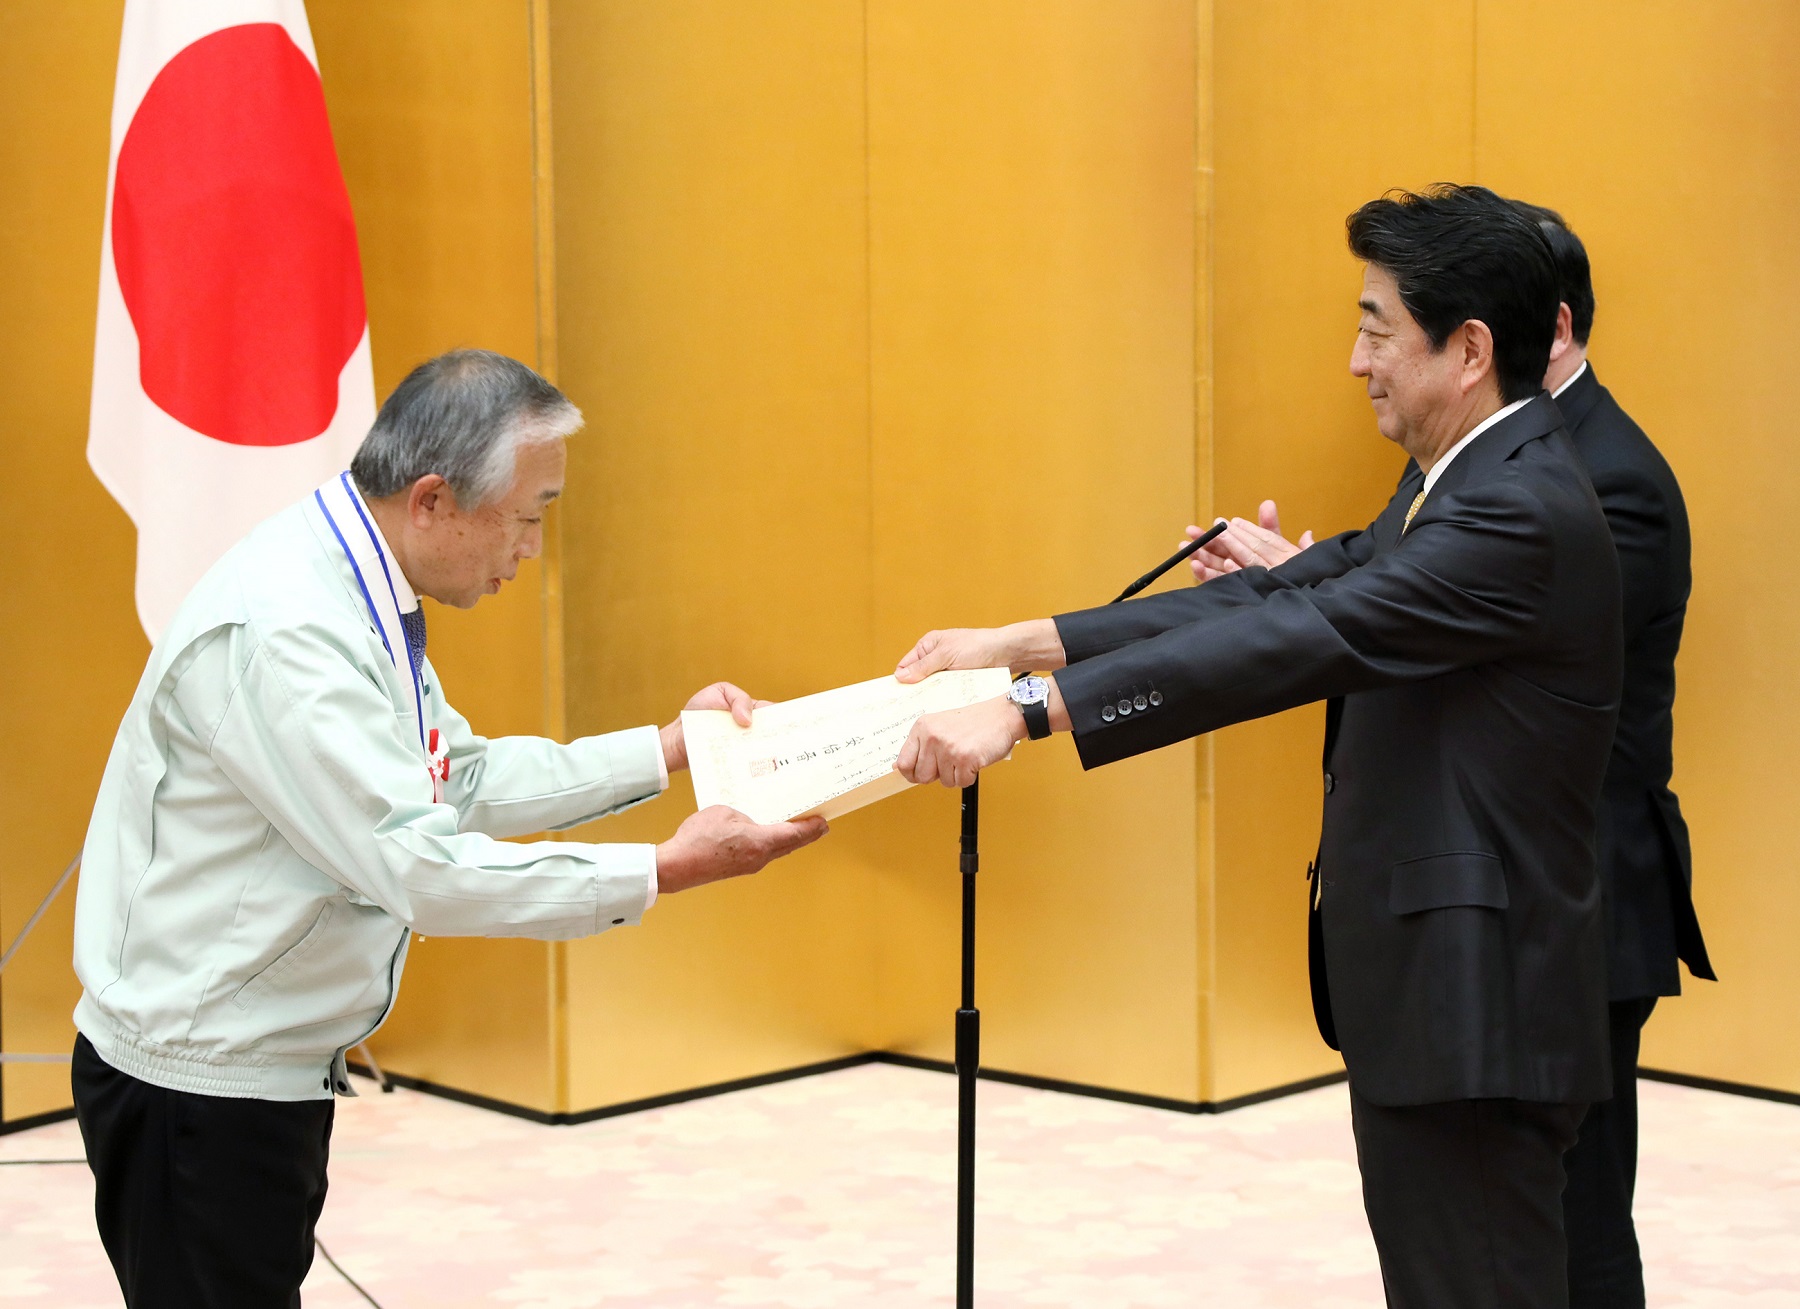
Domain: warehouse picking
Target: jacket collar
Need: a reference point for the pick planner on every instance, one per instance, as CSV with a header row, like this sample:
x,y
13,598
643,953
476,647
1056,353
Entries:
x,y
1537,419
347,525
358,524
1579,400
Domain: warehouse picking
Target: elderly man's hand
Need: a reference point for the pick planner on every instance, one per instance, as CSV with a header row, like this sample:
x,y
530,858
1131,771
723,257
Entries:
x,y
719,842
1245,545
953,746
720,695
1022,647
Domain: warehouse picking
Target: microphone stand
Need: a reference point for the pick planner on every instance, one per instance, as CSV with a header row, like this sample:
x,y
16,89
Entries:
x,y
968,1017
968,1055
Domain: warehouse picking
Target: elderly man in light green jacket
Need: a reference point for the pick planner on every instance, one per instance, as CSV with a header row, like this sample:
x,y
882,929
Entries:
x,y
290,796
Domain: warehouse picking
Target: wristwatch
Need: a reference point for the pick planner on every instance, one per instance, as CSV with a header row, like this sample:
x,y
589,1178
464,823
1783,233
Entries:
x,y
1032,695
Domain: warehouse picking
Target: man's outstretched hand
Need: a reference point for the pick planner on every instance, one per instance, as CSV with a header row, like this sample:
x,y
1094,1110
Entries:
x,y
1245,544
719,842
720,695
1022,647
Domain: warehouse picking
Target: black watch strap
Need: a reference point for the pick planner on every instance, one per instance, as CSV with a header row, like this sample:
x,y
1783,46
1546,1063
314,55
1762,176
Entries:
x,y
1037,719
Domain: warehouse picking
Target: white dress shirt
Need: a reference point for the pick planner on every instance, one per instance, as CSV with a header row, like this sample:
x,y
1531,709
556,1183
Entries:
x,y
1573,378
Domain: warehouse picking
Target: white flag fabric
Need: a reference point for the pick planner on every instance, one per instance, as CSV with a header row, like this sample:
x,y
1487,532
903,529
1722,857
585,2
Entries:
x,y
231,353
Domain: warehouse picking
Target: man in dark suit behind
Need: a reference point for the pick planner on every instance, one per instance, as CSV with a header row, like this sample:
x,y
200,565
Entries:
x,y
1469,644
1642,841
1646,869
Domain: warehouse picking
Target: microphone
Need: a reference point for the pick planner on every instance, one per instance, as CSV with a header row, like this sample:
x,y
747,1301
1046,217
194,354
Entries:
x,y
1185,552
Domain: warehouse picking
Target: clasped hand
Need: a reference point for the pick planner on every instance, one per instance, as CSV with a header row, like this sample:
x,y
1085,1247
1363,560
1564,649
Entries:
x,y
1245,544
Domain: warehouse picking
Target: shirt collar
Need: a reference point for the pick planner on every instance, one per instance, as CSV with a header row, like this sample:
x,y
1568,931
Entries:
x,y
404,596
1574,377
1437,469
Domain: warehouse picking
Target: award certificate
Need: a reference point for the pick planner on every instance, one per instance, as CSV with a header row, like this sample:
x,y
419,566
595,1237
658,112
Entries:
x,y
823,754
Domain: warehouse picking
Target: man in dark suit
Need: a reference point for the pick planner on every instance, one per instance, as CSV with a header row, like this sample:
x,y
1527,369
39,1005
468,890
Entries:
x,y
1642,841
1468,642
1646,868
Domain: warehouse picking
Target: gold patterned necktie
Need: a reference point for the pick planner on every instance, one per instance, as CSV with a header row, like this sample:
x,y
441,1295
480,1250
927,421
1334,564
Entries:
x,y
1418,500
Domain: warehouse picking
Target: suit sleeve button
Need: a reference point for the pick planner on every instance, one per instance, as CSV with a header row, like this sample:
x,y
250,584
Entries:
x,y
1330,783
1108,713
1155,698
1124,707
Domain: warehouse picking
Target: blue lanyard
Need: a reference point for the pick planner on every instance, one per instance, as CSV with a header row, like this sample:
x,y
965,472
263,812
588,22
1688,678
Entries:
x,y
368,598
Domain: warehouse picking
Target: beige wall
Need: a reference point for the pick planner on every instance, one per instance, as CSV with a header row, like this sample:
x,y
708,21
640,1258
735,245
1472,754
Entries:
x,y
894,313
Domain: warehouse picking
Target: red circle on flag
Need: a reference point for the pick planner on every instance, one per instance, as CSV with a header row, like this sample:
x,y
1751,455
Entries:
x,y
234,242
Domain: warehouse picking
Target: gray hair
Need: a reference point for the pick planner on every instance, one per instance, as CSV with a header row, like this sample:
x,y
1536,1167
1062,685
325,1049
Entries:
x,y
463,416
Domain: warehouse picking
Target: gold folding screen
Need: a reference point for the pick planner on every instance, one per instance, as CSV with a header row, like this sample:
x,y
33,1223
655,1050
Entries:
x,y
893,313
849,379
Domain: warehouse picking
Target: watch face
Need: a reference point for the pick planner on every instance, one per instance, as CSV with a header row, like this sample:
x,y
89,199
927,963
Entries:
x,y
1030,690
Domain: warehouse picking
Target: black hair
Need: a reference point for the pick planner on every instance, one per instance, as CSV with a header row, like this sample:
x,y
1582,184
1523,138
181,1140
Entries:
x,y
1459,253
1573,274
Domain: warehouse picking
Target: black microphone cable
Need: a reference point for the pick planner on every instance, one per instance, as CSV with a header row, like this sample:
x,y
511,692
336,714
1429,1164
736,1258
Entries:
x,y
356,1285
1186,552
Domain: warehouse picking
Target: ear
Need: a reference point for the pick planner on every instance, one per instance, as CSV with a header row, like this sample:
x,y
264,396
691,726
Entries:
x,y
427,500
1565,333
1477,345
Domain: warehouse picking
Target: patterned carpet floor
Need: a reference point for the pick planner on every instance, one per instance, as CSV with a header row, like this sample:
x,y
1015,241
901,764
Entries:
x,y
836,1191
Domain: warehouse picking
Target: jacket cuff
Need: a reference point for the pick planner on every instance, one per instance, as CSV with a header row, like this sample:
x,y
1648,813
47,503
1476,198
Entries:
x,y
1112,713
625,885
639,771
1080,634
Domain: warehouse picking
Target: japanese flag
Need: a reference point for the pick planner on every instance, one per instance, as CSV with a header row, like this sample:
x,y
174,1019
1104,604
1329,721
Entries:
x,y
231,356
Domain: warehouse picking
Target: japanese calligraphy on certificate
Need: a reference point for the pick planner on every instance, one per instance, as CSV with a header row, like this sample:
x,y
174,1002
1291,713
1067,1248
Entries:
x,y
821,754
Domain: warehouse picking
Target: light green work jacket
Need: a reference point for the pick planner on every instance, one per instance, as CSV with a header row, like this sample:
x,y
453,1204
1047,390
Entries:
x,y
266,839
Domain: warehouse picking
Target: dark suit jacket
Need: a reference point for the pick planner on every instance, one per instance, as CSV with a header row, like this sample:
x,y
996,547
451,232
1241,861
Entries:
x,y
1646,866
1473,670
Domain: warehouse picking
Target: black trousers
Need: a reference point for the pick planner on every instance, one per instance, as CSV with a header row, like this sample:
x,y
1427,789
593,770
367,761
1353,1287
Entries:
x,y
1465,1201
1605,1271
203,1202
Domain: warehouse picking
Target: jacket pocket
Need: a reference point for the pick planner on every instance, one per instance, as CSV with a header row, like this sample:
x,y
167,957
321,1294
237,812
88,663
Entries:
x,y
249,991
1440,881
